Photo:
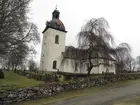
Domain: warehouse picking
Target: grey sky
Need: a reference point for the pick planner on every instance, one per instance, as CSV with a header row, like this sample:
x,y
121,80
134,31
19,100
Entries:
x,y
123,17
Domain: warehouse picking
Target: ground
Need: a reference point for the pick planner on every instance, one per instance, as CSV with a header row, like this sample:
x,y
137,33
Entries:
x,y
120,93
103,97
13,80
131,100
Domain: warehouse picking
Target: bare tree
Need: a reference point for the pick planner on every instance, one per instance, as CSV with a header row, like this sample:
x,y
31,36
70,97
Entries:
x,y
14,25
16,57
121,54
97,47
17,35
32,65
3,62
130,64
138,62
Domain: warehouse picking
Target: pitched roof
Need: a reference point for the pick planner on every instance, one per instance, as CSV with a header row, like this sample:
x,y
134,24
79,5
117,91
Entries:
x,y
82,54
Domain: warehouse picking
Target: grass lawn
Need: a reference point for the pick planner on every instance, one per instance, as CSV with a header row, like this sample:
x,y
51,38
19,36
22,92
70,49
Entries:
x,y
14,80
77,93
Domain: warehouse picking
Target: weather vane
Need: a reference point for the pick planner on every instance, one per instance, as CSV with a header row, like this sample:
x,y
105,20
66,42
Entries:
x,y
56,7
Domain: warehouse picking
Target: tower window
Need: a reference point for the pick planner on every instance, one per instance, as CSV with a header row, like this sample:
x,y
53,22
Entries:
x,y
57,39
54,64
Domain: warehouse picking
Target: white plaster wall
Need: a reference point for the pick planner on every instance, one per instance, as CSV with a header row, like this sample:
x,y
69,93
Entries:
x,y
95,70
52,51
103,68
68,66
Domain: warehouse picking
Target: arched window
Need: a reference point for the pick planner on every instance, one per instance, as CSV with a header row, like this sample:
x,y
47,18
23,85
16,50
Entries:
x,y
76,64
54,64
57,39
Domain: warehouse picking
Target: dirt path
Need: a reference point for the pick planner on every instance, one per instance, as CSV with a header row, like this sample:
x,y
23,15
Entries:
x,y
104,96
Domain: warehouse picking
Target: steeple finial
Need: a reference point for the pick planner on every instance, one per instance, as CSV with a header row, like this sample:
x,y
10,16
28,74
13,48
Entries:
x,y
56,7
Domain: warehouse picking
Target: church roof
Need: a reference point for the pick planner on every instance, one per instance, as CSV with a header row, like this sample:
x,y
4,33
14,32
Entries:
x,y
74,53
82,54
55,23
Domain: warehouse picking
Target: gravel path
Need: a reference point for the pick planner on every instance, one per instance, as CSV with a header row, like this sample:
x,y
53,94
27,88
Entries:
x,y
104,96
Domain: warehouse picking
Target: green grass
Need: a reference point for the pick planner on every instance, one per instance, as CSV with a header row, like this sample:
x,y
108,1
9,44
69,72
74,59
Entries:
x,y
14,80
76,93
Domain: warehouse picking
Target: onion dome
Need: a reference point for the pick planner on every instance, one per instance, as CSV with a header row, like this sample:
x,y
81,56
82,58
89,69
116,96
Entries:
x,y
55,23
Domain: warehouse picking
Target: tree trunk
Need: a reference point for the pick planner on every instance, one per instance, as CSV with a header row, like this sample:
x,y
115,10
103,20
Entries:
x,y
90,65
13,67
8,65
89,70
16,63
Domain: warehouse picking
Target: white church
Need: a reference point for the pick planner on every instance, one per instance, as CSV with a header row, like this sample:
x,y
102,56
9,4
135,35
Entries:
x,y
54,50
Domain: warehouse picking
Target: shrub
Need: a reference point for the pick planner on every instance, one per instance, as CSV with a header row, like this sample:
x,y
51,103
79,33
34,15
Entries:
x,y
1,74
56,79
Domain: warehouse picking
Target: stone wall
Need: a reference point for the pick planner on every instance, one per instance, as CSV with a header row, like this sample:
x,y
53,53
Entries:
x,y
46,90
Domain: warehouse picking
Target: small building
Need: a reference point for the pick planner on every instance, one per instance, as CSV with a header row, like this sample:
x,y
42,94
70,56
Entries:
x,y
55,56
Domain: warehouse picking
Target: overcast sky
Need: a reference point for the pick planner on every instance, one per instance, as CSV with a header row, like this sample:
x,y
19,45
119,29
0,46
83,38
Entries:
x,y
123,17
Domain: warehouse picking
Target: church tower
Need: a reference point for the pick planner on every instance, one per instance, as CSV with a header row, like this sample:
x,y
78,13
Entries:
x,y
53,43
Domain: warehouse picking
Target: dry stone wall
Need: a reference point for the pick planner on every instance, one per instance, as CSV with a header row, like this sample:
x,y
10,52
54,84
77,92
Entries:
x,y
46,90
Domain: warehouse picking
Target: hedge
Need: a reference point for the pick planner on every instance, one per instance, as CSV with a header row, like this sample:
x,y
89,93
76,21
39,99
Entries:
x,y
1,74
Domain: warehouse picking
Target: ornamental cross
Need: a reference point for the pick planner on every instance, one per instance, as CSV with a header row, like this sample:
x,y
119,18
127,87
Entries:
x,y
56,7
